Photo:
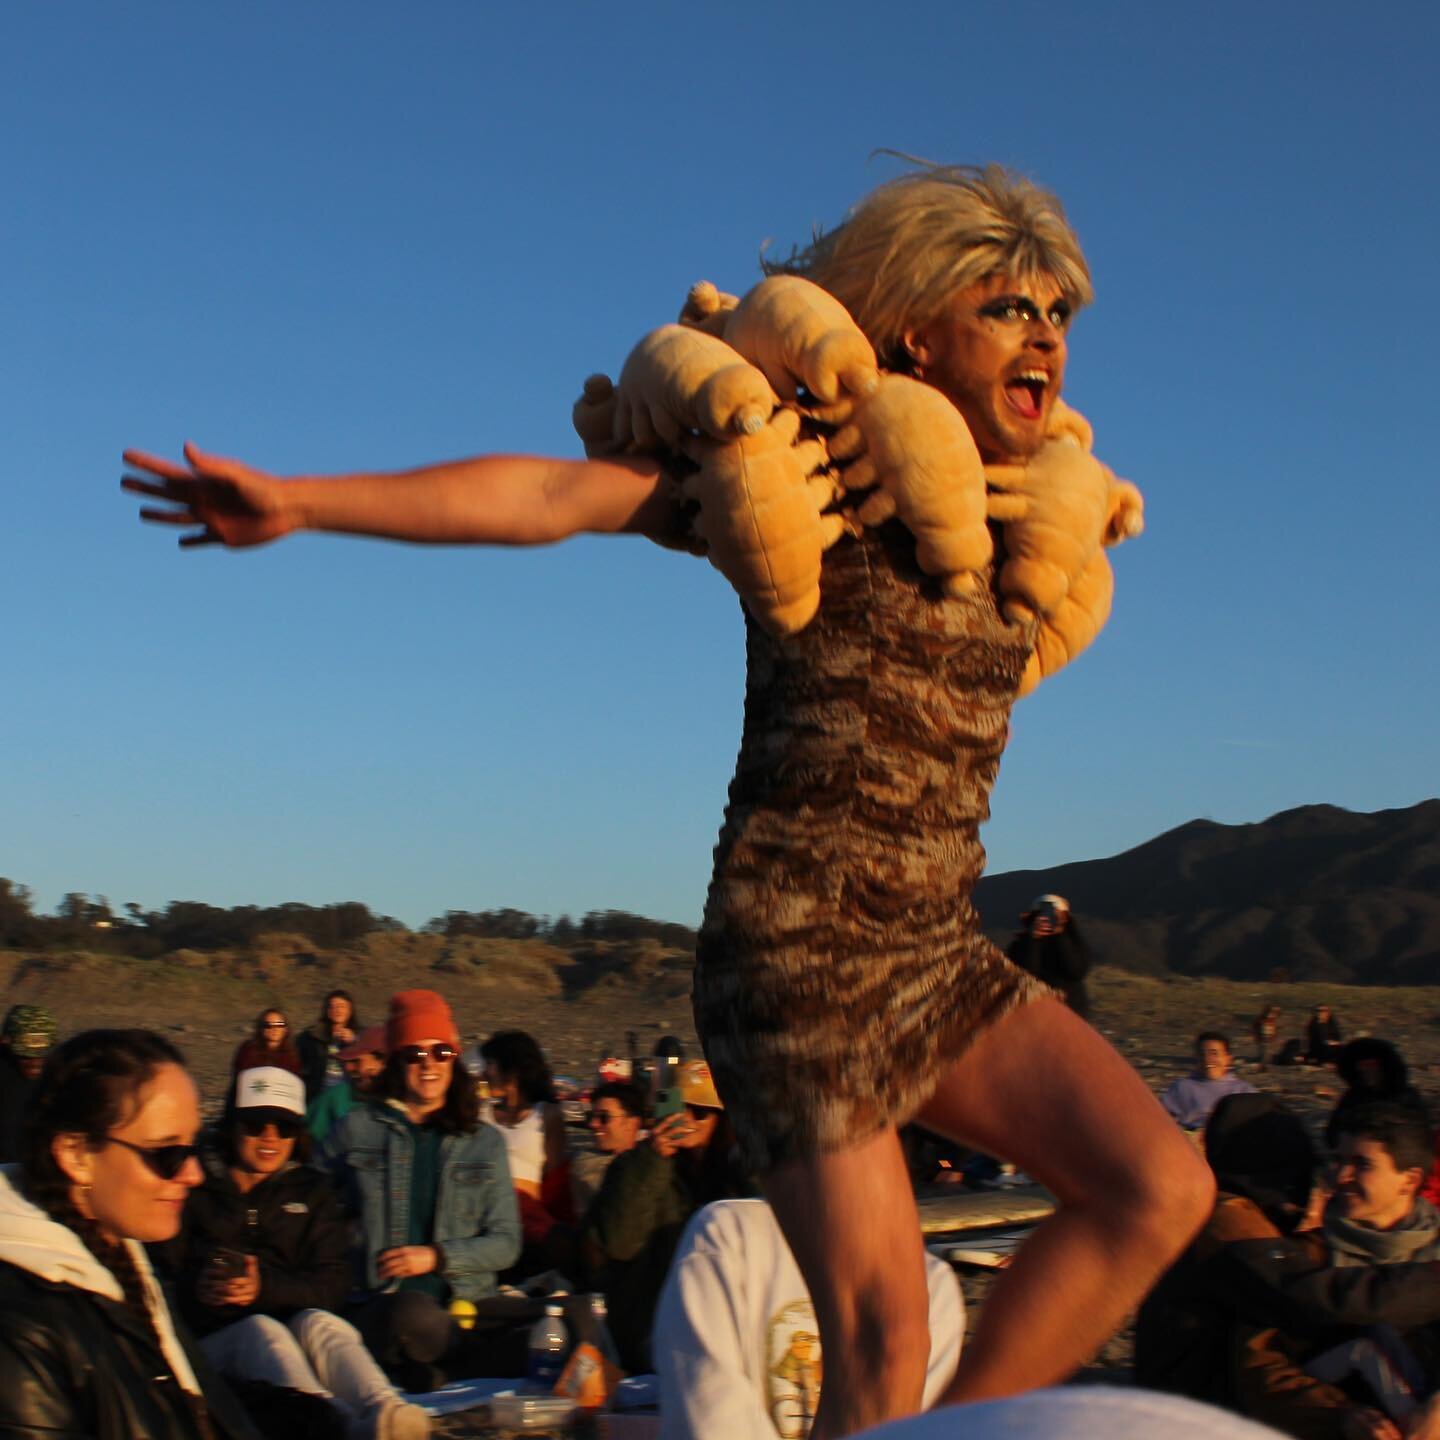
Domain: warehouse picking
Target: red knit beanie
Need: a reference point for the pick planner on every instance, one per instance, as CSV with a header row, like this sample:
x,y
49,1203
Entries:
x,y
417,1015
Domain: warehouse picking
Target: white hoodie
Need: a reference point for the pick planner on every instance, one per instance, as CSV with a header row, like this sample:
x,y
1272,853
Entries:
x,y
31,1241
735,1334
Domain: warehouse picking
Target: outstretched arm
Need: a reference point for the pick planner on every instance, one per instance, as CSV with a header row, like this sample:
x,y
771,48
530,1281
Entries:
x,y
489,500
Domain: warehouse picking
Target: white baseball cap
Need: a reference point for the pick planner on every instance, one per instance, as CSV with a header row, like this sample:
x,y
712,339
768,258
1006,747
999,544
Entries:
x,y
268,1087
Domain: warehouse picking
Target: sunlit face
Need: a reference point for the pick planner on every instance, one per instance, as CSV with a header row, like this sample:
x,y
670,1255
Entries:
x,y
997,351
614,1128
273,1029
125,1197
1368,1187
703,1122
427,1080
1214,1058
338,1010
263,1154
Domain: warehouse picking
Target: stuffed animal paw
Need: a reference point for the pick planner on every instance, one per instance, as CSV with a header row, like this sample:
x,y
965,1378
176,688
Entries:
x,y
912,444
678,380
760,518
1058,509
707,308
593,416
799,335
1077,620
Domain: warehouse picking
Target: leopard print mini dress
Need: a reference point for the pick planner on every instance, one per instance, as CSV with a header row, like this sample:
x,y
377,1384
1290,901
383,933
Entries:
x,y
840,964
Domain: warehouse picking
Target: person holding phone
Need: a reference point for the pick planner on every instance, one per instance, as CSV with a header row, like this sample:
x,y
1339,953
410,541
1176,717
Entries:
x,y
647,1197
263,1262
1050,946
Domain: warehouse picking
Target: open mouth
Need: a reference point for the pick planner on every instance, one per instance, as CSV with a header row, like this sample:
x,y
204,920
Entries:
x,y
1026,393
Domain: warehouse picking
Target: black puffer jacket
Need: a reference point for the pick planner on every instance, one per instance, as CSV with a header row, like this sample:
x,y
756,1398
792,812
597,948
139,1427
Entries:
x,y
292,1223
76,1361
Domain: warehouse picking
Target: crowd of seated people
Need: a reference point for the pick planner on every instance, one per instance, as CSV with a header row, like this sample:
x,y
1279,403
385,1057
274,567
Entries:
x,y
350,1232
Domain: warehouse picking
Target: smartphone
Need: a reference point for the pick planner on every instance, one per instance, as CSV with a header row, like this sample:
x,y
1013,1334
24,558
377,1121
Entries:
x,y
668,1101
228,1264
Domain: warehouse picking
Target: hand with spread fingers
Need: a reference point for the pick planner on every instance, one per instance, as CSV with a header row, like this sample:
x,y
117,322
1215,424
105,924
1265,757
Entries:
x,y
231,503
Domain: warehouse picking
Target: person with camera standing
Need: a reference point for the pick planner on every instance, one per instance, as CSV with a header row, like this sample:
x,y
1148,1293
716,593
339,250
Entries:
x,y
1050,946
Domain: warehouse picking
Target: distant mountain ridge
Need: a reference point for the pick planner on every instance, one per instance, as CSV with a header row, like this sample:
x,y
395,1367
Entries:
x,y
1318,893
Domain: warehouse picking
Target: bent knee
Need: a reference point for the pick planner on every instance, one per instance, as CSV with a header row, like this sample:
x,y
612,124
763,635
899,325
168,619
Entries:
x,y
885,1333
1170,1196
262,1327
309,1326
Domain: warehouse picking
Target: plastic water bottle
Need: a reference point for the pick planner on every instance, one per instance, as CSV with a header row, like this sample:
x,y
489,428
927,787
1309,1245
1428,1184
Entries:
x,y
549,1340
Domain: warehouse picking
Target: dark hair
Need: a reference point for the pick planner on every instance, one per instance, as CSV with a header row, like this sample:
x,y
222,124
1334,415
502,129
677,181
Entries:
x,y
1398,1130
1257,1147
1394,1073
349,999
630,1097
519,1056
257,1035
459,1114
1205,1036
90,1084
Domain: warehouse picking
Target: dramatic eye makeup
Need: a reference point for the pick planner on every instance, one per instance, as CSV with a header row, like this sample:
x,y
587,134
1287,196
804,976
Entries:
x,y
1012,308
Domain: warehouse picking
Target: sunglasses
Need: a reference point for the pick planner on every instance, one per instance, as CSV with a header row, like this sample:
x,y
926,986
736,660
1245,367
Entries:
x,y
276,1025
419,1054
287,1127
603,1117
166,1161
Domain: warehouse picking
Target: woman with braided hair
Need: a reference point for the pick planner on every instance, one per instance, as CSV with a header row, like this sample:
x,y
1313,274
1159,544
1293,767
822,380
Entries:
x,y
843,986
87,1344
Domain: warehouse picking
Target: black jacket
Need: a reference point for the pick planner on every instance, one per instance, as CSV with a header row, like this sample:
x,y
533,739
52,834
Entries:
x,y
1061,960
292,1223
314,1047
77,1366
14,1097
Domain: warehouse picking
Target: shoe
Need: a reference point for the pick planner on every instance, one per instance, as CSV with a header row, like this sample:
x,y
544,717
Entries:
x,y
393,1419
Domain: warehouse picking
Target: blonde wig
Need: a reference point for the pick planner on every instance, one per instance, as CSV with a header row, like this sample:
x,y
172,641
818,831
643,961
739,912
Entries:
x,y
912,243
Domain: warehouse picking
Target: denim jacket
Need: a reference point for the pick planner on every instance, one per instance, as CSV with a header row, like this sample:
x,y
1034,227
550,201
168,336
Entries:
x,y
477,1223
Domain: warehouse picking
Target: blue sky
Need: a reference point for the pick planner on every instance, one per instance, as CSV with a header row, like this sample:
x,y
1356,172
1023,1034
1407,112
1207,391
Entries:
x,y
334,236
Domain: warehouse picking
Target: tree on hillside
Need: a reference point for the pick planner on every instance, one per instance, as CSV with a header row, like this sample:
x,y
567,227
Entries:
x,y
20,928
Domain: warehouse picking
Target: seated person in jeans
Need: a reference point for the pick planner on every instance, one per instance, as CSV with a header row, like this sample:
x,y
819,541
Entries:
x,y
260,1263
431,1187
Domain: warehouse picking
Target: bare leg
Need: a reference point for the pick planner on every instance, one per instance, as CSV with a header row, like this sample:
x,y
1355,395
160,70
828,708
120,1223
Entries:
x,y
1041,1088
851,1222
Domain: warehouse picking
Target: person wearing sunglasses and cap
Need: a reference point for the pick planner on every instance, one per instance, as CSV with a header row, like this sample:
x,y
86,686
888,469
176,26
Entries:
x,y
431,1187
88,1346
261,1263
635,1221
